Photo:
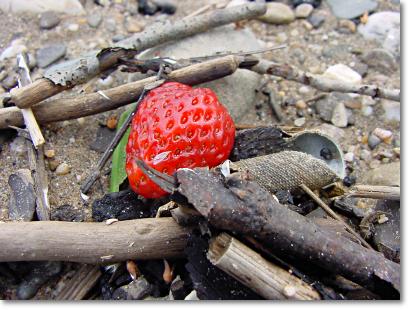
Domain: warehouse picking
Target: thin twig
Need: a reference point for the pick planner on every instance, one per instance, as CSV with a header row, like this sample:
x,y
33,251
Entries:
x,y
334,215
375,192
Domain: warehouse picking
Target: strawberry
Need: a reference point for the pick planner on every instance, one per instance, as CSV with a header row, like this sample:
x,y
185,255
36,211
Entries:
x,y
177,126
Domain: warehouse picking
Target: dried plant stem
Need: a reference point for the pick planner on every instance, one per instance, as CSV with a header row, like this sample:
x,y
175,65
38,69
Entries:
x,y
375,192
334,215
291,73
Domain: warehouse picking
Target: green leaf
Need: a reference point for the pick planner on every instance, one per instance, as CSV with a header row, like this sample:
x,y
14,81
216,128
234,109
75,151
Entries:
x,y
118,174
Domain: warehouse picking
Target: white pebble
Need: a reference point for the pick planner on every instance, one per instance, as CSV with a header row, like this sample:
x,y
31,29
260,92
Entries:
x,y
63,169
349,157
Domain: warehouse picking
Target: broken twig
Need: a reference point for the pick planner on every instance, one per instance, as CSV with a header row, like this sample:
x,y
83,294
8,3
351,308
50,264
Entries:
x,y
375,192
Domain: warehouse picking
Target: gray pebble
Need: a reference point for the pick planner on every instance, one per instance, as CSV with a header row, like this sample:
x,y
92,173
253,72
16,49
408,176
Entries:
x,y
10,81
373,141
49,20
339,115
94,19
366,155
303,10
381,60
349,157
50,54
317,19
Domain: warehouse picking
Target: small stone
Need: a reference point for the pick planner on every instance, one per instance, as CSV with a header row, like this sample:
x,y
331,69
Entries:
x,y
342,73
71,140
50,54
94,20
32,61
73,27
67,213
278,13
18,146
281,37
304,90
360,68
299,122
366,155
300,104
349,157
332,131
71,7
387,175
303,10
111,25
103,139
108,81
349,9
81,121
132,25
16,47
10,81
326,106
166,6
294,33
147,7
367,110
22,203
112,122
135,290
339,116
391,110
316,19
53,164
373,141
396,151
49,20
381,60
307,25
50,153
63,169
346,26
383,134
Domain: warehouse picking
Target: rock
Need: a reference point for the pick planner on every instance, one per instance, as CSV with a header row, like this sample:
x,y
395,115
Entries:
x,y
37,277
94,19
304,90
49,20
73,27
16,47
136,290
132,25
349,9
381,60
53,164
325,107
303,10
237,91
366,155
383,134
32,61
339,115
18,147
71,7
301,105
103,139
299,122
360,68
332,131
63,169
316,19
278,13
314,3
367,110
123,205
147,7
50,153
349,157
67,213
387,174
342,73
111,25
22,203
383,27
346,26
391,110
166,6
10,81
373,141
50,54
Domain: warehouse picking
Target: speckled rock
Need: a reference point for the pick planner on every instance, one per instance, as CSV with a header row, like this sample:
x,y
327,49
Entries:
x,y
303,10
278,13
50,54
350,9
380,60
49,20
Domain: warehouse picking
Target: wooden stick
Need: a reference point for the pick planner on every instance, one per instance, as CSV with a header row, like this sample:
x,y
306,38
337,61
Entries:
x,y
80,70
291,73
255,272
29,119
92,243
375,192
81,283
334,215
88,104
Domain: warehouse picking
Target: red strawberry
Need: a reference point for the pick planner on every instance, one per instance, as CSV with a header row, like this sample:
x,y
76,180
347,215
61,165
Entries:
x,y
177,126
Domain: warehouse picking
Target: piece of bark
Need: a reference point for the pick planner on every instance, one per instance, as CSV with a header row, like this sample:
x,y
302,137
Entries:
x,y
92,243
291,73
255,272
84,105
245,208
80,284
22,202
82,69
375,192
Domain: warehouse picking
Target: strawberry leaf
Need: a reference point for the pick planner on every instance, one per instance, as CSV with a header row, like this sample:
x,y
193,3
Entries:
x,y
118,174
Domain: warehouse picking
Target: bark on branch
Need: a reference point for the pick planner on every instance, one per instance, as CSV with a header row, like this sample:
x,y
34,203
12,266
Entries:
x,y
291,73
375,192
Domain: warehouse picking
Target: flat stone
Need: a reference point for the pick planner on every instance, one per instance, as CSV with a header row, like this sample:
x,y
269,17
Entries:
x,y
71,7
22,203
316,19
325,107
16,47
373,141
349,9
381,60
132,25
339,115
67,213
299,122
387,174
346,26
391,110
103,139
342,73
278,13
136,290
349,157
237,91
49,20
303,10
332,131
50,54
94,19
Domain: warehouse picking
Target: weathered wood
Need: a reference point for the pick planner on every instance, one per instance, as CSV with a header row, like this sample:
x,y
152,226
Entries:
x,y
255,272
92,243
84,105
375,192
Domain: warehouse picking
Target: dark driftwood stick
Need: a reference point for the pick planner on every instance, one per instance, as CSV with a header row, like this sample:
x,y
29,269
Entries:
x,y
246,208
84,105
375,192
291,73
255,272
82,69
92,243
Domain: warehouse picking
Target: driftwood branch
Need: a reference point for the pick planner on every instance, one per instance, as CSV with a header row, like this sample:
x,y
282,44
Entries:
x,y
255,272
89,104
93,243
76,71
375,192
291,73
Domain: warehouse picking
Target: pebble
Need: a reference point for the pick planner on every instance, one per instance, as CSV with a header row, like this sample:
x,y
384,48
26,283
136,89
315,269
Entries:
x,y
396,151
332,131
349,9
63,169
301,105
10,81
94,19
166,6
303,10
342,73
112,122
103,138
299,122
50,153
307,25
108,81
71,7
373,141
383,134
73,27
50,54
111,25
381,60
66,213
132,25
366,155
325,107
53,164
49,20
387,175
314,3
366,110
391,110
346,26
18,146
278,13
304,90
16,47
349,157
316,19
